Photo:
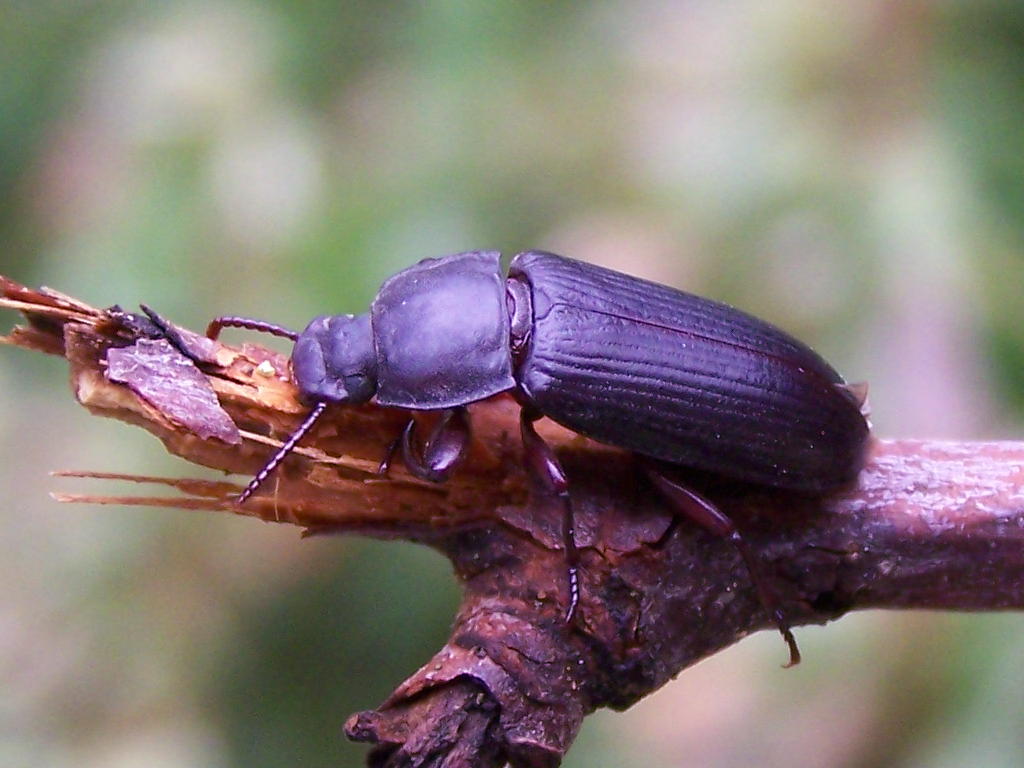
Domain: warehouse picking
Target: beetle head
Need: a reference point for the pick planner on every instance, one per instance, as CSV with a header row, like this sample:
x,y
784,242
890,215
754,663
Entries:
x,y
335,361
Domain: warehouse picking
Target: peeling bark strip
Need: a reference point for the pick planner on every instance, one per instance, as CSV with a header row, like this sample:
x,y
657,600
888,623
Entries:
x,y
930,525
167,380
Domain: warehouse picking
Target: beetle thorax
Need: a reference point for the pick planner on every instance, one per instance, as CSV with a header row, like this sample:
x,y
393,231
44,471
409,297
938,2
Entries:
x,y
441,329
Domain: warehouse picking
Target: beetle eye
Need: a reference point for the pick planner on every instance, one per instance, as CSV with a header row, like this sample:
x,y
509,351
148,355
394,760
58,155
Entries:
x,y
359,388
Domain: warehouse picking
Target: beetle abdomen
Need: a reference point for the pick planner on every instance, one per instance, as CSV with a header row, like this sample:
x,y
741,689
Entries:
x,y
684,379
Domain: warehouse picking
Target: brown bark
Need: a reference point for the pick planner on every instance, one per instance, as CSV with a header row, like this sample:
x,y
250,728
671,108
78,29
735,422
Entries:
x,y
929,525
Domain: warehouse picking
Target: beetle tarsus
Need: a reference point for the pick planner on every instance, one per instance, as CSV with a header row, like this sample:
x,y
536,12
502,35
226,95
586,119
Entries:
x,y
573,572
444,449
544,465
787,635
389,454
699,510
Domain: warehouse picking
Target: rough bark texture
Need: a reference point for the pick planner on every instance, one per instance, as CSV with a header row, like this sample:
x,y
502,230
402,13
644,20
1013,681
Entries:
x,y
928,525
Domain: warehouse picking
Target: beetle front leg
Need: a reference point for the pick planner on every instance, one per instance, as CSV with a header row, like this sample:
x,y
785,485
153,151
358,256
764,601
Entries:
x,y
443,451
699,510
544,465
389,453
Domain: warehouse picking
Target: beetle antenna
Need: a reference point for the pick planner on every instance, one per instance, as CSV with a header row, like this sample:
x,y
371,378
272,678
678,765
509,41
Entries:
x,y
282,452
230,321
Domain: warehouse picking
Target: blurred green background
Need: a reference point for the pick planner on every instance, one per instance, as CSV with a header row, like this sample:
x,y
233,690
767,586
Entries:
x,y
852,171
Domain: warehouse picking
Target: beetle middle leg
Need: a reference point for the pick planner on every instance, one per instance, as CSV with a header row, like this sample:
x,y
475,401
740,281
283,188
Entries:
x,y
699,510
436,459
544,465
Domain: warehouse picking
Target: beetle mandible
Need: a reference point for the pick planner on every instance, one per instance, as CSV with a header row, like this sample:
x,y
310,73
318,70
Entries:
x,y
674,378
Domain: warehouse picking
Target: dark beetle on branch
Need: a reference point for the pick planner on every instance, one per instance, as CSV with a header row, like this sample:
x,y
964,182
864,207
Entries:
x,y
675,378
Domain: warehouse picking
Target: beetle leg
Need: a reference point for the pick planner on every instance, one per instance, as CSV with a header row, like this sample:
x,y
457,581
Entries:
x,y
709,517
542,463
444,449
389,453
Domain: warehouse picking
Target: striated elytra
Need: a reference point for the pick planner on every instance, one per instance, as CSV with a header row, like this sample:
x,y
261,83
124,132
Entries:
x,y
684,379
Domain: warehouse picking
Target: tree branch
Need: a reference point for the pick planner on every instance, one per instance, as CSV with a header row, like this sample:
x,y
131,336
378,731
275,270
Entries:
x,y
929,525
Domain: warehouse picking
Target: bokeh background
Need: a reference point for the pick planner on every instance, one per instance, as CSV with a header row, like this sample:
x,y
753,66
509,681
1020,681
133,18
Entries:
x,y
853,171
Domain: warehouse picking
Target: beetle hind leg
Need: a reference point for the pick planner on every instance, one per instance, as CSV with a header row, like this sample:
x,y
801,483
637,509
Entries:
x,y
542,463
699,510
436,459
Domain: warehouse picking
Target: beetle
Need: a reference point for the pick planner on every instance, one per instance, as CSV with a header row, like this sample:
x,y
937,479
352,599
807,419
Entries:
x,y
677,379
